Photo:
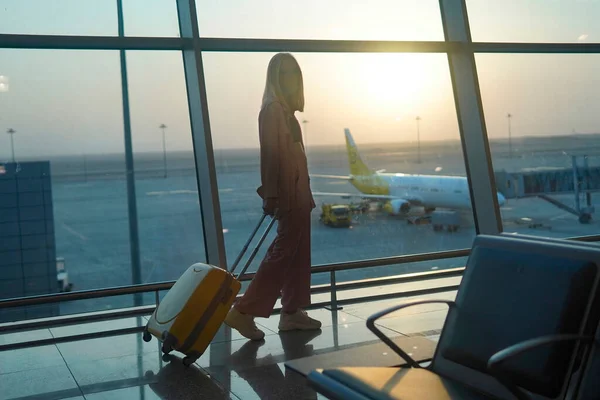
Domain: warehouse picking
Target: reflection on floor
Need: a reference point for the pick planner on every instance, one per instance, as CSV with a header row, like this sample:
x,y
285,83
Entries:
x,y
125,367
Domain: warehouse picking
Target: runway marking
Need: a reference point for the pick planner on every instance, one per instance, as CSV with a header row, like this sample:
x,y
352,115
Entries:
x,y
226,190
560,216
74,232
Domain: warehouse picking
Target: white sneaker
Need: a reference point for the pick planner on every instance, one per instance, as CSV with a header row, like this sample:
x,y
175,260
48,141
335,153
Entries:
x,y
298,321
244,324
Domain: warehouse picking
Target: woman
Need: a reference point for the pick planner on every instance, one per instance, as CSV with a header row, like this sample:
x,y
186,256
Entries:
x,y
285,190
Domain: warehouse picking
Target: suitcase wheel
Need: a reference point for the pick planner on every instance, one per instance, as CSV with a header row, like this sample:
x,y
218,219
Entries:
x,y
166,348
147,336
187,361
168,343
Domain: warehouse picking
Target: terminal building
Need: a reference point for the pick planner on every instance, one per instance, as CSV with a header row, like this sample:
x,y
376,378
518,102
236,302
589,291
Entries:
x,y
131,154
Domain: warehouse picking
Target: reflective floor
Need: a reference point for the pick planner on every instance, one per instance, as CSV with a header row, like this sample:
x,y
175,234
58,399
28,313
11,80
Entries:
x,y
125,367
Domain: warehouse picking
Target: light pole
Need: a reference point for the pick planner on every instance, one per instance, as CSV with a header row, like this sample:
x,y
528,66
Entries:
x,y
85,167
163,127
509,116
418,119
11,132
304,122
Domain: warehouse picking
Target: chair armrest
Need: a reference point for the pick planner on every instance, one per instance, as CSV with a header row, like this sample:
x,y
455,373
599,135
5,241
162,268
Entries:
x,y
331,388
371,325
522,347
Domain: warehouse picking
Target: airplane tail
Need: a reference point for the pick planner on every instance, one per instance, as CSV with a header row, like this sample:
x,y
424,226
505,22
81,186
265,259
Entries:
x,y
357,166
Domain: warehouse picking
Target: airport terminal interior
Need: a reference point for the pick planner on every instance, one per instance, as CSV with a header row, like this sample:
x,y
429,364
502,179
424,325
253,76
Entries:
x,y
453,151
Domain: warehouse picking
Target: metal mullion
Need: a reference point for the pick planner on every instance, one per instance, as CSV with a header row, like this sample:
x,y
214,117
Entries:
x,y
320,46
92,42
132,214
469,109
535,48
63,42
208,192
204,155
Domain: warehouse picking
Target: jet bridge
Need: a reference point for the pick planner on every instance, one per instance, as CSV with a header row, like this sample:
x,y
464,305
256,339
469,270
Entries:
x,y
579,180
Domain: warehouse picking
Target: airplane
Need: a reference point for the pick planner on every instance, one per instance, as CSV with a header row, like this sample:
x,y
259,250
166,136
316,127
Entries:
x,y
400,192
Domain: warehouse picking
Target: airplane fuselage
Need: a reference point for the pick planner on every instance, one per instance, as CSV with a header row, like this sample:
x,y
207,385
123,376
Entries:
x,y
401,191
425,190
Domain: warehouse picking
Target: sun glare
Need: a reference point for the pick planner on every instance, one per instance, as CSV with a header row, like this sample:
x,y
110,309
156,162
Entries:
x,y
393,81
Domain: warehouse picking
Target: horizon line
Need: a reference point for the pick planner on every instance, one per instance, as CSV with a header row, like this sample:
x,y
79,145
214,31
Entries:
x,y
431,141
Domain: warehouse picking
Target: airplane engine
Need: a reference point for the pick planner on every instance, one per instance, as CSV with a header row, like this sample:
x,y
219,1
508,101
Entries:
x,y
399,207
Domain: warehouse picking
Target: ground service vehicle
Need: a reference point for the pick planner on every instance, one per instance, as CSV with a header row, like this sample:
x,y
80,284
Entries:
x,y
62,276
445,219
335,215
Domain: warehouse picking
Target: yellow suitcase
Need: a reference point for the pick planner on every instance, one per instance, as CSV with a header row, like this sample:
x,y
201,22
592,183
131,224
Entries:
x,y
190,314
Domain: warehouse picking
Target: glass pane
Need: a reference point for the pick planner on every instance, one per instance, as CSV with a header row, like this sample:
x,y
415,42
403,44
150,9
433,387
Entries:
x,y
151,18
541,118
64,215
378,98
63,205
391,270
534,21
333,19
59,17
170,223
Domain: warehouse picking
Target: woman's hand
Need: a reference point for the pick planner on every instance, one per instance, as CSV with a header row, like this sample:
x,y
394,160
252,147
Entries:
x,y
270,206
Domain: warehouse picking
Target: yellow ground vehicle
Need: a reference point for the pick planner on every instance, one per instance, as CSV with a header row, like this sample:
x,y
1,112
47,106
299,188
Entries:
x,y
336,215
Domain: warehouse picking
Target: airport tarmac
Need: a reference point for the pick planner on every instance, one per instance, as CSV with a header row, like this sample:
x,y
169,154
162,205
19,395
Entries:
x,y
92,231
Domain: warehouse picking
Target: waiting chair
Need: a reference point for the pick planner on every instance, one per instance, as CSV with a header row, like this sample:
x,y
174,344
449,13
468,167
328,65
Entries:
x,y
513,290
586,383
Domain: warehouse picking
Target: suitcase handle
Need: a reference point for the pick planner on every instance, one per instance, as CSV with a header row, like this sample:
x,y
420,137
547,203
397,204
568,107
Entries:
x,y
245,248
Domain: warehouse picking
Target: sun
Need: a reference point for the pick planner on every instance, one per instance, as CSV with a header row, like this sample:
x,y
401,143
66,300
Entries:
x,y
393,81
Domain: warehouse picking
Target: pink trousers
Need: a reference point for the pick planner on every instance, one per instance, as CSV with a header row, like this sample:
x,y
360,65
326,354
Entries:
x,y
284,271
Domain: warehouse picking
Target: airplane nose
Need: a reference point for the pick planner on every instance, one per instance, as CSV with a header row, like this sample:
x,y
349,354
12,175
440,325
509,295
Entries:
x,y
501,200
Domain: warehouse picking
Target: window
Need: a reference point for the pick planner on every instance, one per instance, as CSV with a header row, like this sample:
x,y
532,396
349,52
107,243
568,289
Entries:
x,y
541,121
67,195
333,19
169,220
156,18
534,21
66,201
59,17
380,113
90,18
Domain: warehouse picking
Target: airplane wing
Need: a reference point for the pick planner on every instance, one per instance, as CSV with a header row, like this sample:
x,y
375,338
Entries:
x,y
344,177
356,195
410,199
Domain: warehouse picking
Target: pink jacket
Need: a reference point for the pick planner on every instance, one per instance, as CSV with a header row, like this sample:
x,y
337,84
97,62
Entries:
x,y
283,164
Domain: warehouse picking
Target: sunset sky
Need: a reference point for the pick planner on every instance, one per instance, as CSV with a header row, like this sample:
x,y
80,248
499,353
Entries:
x,y
69,102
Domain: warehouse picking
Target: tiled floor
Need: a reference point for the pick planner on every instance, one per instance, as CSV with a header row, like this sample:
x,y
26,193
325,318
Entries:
x,y
125,367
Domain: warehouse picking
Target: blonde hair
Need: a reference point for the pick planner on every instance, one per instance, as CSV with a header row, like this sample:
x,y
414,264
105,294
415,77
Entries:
x,y
273,90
